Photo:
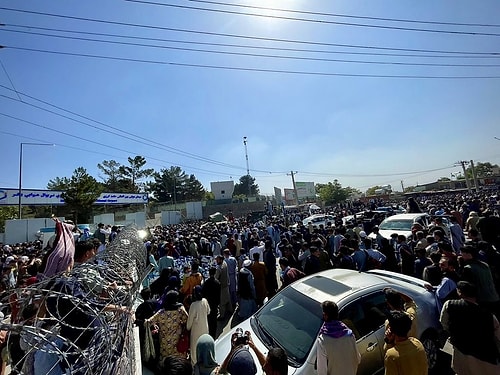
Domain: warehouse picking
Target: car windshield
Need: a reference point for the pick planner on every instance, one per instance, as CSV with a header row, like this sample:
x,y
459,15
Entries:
x,y
292,321
400,224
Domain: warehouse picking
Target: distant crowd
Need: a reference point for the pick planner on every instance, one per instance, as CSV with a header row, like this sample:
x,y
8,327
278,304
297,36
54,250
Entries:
x,y
204,272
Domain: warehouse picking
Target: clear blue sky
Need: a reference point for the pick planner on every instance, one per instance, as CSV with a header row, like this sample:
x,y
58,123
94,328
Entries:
x,y
326,110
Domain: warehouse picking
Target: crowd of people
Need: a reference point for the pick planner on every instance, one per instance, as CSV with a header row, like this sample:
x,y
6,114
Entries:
x,y
204,272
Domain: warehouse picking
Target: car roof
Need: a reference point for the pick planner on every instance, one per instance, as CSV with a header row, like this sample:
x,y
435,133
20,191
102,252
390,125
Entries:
x,y
317,215
405,216
337,284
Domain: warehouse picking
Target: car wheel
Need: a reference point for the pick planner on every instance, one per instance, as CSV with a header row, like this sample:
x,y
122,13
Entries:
x,y
431,349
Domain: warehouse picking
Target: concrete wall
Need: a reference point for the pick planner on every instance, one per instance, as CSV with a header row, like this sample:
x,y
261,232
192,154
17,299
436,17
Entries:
x,y
238,209
170,217
137,218
25,230
194,211
105,219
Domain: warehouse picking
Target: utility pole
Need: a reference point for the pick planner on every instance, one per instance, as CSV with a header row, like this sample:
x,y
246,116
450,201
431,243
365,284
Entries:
x,y
463,163
248,168
474,176
292,173
175,198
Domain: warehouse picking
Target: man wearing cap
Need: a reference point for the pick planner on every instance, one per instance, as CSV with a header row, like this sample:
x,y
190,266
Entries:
x,y
474,333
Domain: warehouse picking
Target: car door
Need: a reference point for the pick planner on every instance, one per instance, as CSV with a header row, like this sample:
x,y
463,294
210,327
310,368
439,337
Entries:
x,y
366,317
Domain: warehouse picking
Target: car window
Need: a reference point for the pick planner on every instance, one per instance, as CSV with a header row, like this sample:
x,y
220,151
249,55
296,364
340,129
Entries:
x,y
365,315
292,320
396,225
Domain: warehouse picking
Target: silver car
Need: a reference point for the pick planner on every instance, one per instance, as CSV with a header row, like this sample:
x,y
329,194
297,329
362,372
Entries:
x,y
293,317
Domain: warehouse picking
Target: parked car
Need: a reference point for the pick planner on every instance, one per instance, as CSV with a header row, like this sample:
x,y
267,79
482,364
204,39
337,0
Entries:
x,y
402,223
318,219
393,209
293,317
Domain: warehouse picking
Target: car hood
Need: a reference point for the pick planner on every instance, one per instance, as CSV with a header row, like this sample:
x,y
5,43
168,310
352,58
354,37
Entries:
x,y
223,344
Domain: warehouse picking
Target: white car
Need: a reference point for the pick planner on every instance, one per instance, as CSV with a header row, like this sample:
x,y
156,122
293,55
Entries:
x,y
318,219
292,318
402,223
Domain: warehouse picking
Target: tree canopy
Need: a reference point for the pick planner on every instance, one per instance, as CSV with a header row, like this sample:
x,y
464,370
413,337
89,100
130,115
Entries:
x,y
333,192
482,170
173,184
242,188
124,178
80,194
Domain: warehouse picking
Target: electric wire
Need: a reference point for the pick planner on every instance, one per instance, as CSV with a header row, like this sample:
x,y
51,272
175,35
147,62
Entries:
x,y
97,143
262,70
300,58
398,28
161,165
209,33
447,54
346,15
130,136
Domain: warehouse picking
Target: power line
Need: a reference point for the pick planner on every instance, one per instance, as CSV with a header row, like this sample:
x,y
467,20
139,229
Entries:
x,y
447,54
11,83
153,27
123,134
102,144
399,28
300,58
373,175
346,15
120,132
233,68
318,174
162,165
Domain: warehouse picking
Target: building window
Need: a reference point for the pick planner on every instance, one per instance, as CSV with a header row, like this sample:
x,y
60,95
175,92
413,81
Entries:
x,y
223,192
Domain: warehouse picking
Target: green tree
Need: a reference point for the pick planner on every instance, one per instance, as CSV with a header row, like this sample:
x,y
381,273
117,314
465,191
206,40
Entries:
x,y
58,183
80,194
333,192
7,213
113,179
408,189
482,170
371,191
194,189
174,184
241,188
134,172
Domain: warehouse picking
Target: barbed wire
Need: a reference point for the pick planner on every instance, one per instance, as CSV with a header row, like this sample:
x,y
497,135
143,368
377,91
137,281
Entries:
x,y
80,322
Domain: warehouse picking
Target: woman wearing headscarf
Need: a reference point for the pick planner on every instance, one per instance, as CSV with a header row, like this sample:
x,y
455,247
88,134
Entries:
x,y
170,320
173,284
197,321
205,356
